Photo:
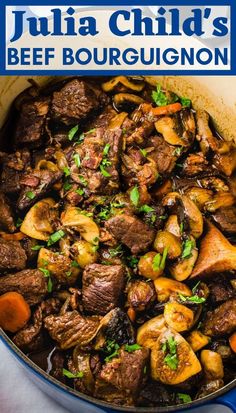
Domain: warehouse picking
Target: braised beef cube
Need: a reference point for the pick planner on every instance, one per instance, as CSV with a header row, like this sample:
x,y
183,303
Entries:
x,y
31,338
27,244
35,186
221,290
225,218
132,232
30,283
76,101
140,295
102,120
13,167
126,372
30,128
12,256
71,329
6,215
163,154
102,287
222,320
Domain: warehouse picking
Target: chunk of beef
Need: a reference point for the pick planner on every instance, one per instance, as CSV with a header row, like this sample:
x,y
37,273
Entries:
x,y
221,290
71,329
14,166
131,231
102,287
126,372
140,295
6,215
76,101
140,134
102,120
194,164
163,154
101,171
39,182
30,283
225,218
222,320
12,256
30,128
27,244
155,394
31,337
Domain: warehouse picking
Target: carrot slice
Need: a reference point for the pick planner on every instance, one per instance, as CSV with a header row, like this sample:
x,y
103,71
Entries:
x,y
14,311
232,342
162,110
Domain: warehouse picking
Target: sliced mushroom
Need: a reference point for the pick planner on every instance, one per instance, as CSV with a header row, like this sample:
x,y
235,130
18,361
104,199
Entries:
x,y
148,333
194,216
38,222
172,226
75,218
118,120
221,199
166,126
165,239
200,196
80,363
84,253
118,81
216,254
178,316
126,100
58,265
184,267
187,364
165,287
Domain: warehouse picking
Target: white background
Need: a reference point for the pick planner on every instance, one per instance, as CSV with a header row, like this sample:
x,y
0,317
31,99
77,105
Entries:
x,y
19,395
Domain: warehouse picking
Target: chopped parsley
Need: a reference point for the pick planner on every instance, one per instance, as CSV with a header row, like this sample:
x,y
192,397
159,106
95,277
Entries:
x,y
106,149
146,208
67,186
72,132
47,274
18,222
50,285
181,227
116,252
143,152
77,160
111,349
185,398
30,195
132,261
193,299
83,180
75,264
55,237
105,213
104,171
80,191
66,171
68,273
159,97
70,375
132,347
134,196
171,358
188,246
194,289
36,247
81,139
178,151
159,261
185,102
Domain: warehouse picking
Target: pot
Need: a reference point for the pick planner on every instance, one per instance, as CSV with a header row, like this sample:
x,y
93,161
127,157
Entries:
x,y
215,95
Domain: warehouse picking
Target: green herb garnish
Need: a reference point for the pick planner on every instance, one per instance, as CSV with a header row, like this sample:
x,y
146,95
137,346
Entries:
x,y
70,375
185,398
111,349
77,160
116,252
83,180
67,186
143,152
194,289
185,102
106,149
55,237
159,97
134,196
146,208
178,151
193,299
75,264
132,347
80,191
72,132
50,285
30,195
36,247
104,171
132,261
156,262
18,222
171,359
188,246
45,272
